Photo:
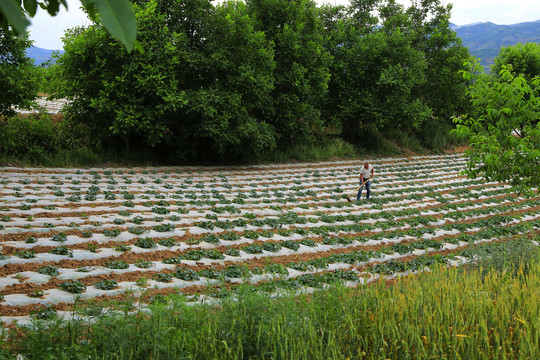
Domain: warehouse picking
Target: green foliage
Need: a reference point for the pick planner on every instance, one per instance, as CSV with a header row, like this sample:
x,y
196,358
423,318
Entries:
x,y
51,79
22,137
106,284
61,250
321,149
123,94
18,85
503,131
394,78
38,139
186,274
161,277
117,264
374,71
25,254
145,243
213,100
229,106
167,242
301,74
117,15
525,60
73,286
382,321
250,81
437,135
442,88
143,264
513,256
60,237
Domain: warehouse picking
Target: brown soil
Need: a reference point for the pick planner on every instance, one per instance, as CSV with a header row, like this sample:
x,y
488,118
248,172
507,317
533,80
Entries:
x,y
108,300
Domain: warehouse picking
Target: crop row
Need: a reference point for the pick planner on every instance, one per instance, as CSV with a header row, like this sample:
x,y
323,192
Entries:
x,y
105,232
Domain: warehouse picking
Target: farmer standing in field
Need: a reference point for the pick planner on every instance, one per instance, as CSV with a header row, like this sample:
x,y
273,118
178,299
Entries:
x,y
366,172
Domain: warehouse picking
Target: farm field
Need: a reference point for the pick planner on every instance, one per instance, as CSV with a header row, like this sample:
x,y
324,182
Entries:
x,y
49,106
72,235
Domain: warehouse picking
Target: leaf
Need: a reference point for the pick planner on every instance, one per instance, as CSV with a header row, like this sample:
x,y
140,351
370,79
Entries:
x,y
90,7
13,12
30,6
119,19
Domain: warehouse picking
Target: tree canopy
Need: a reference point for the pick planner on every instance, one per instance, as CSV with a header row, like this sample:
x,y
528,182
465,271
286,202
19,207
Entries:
x,y
394,70
18,85
203,90
524,59
503,130
301,63
237,80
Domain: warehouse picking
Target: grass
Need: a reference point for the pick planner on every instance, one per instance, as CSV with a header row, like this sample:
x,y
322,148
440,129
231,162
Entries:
x,y
327,149
447,313
39,140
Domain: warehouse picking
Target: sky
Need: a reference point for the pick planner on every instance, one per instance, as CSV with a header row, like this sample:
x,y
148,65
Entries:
x,y
47,31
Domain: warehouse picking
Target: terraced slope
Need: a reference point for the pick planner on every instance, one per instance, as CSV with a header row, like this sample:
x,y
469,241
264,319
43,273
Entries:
x,y
72,235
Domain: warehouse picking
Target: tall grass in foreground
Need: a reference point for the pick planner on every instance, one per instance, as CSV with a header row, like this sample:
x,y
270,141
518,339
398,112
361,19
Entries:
x,y
443,314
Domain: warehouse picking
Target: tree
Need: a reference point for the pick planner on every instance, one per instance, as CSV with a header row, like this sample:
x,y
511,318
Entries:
x,y
229,78
51,80
394,69
116,15
374,72
442,88
504,129
301,73
134,95
525,60
18,85
200,90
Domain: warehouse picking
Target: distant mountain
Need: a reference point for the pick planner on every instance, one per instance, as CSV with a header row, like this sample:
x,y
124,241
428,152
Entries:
x,y
485,40
40,55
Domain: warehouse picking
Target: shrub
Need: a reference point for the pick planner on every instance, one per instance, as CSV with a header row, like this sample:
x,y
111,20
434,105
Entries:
x,y
510,256
253,249
26,254
233,252
38,139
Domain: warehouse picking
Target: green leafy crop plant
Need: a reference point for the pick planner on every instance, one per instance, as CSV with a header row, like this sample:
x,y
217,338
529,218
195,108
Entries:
x,y
117,264
106,284
186,274
162,277
145,243
48,270
74,287
61,250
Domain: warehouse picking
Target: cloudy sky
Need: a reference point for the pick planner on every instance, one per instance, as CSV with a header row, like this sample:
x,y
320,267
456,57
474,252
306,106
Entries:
x,y
47,31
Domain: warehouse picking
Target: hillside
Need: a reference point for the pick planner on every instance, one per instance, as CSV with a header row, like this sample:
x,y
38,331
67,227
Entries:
x,y
40,55
484,40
